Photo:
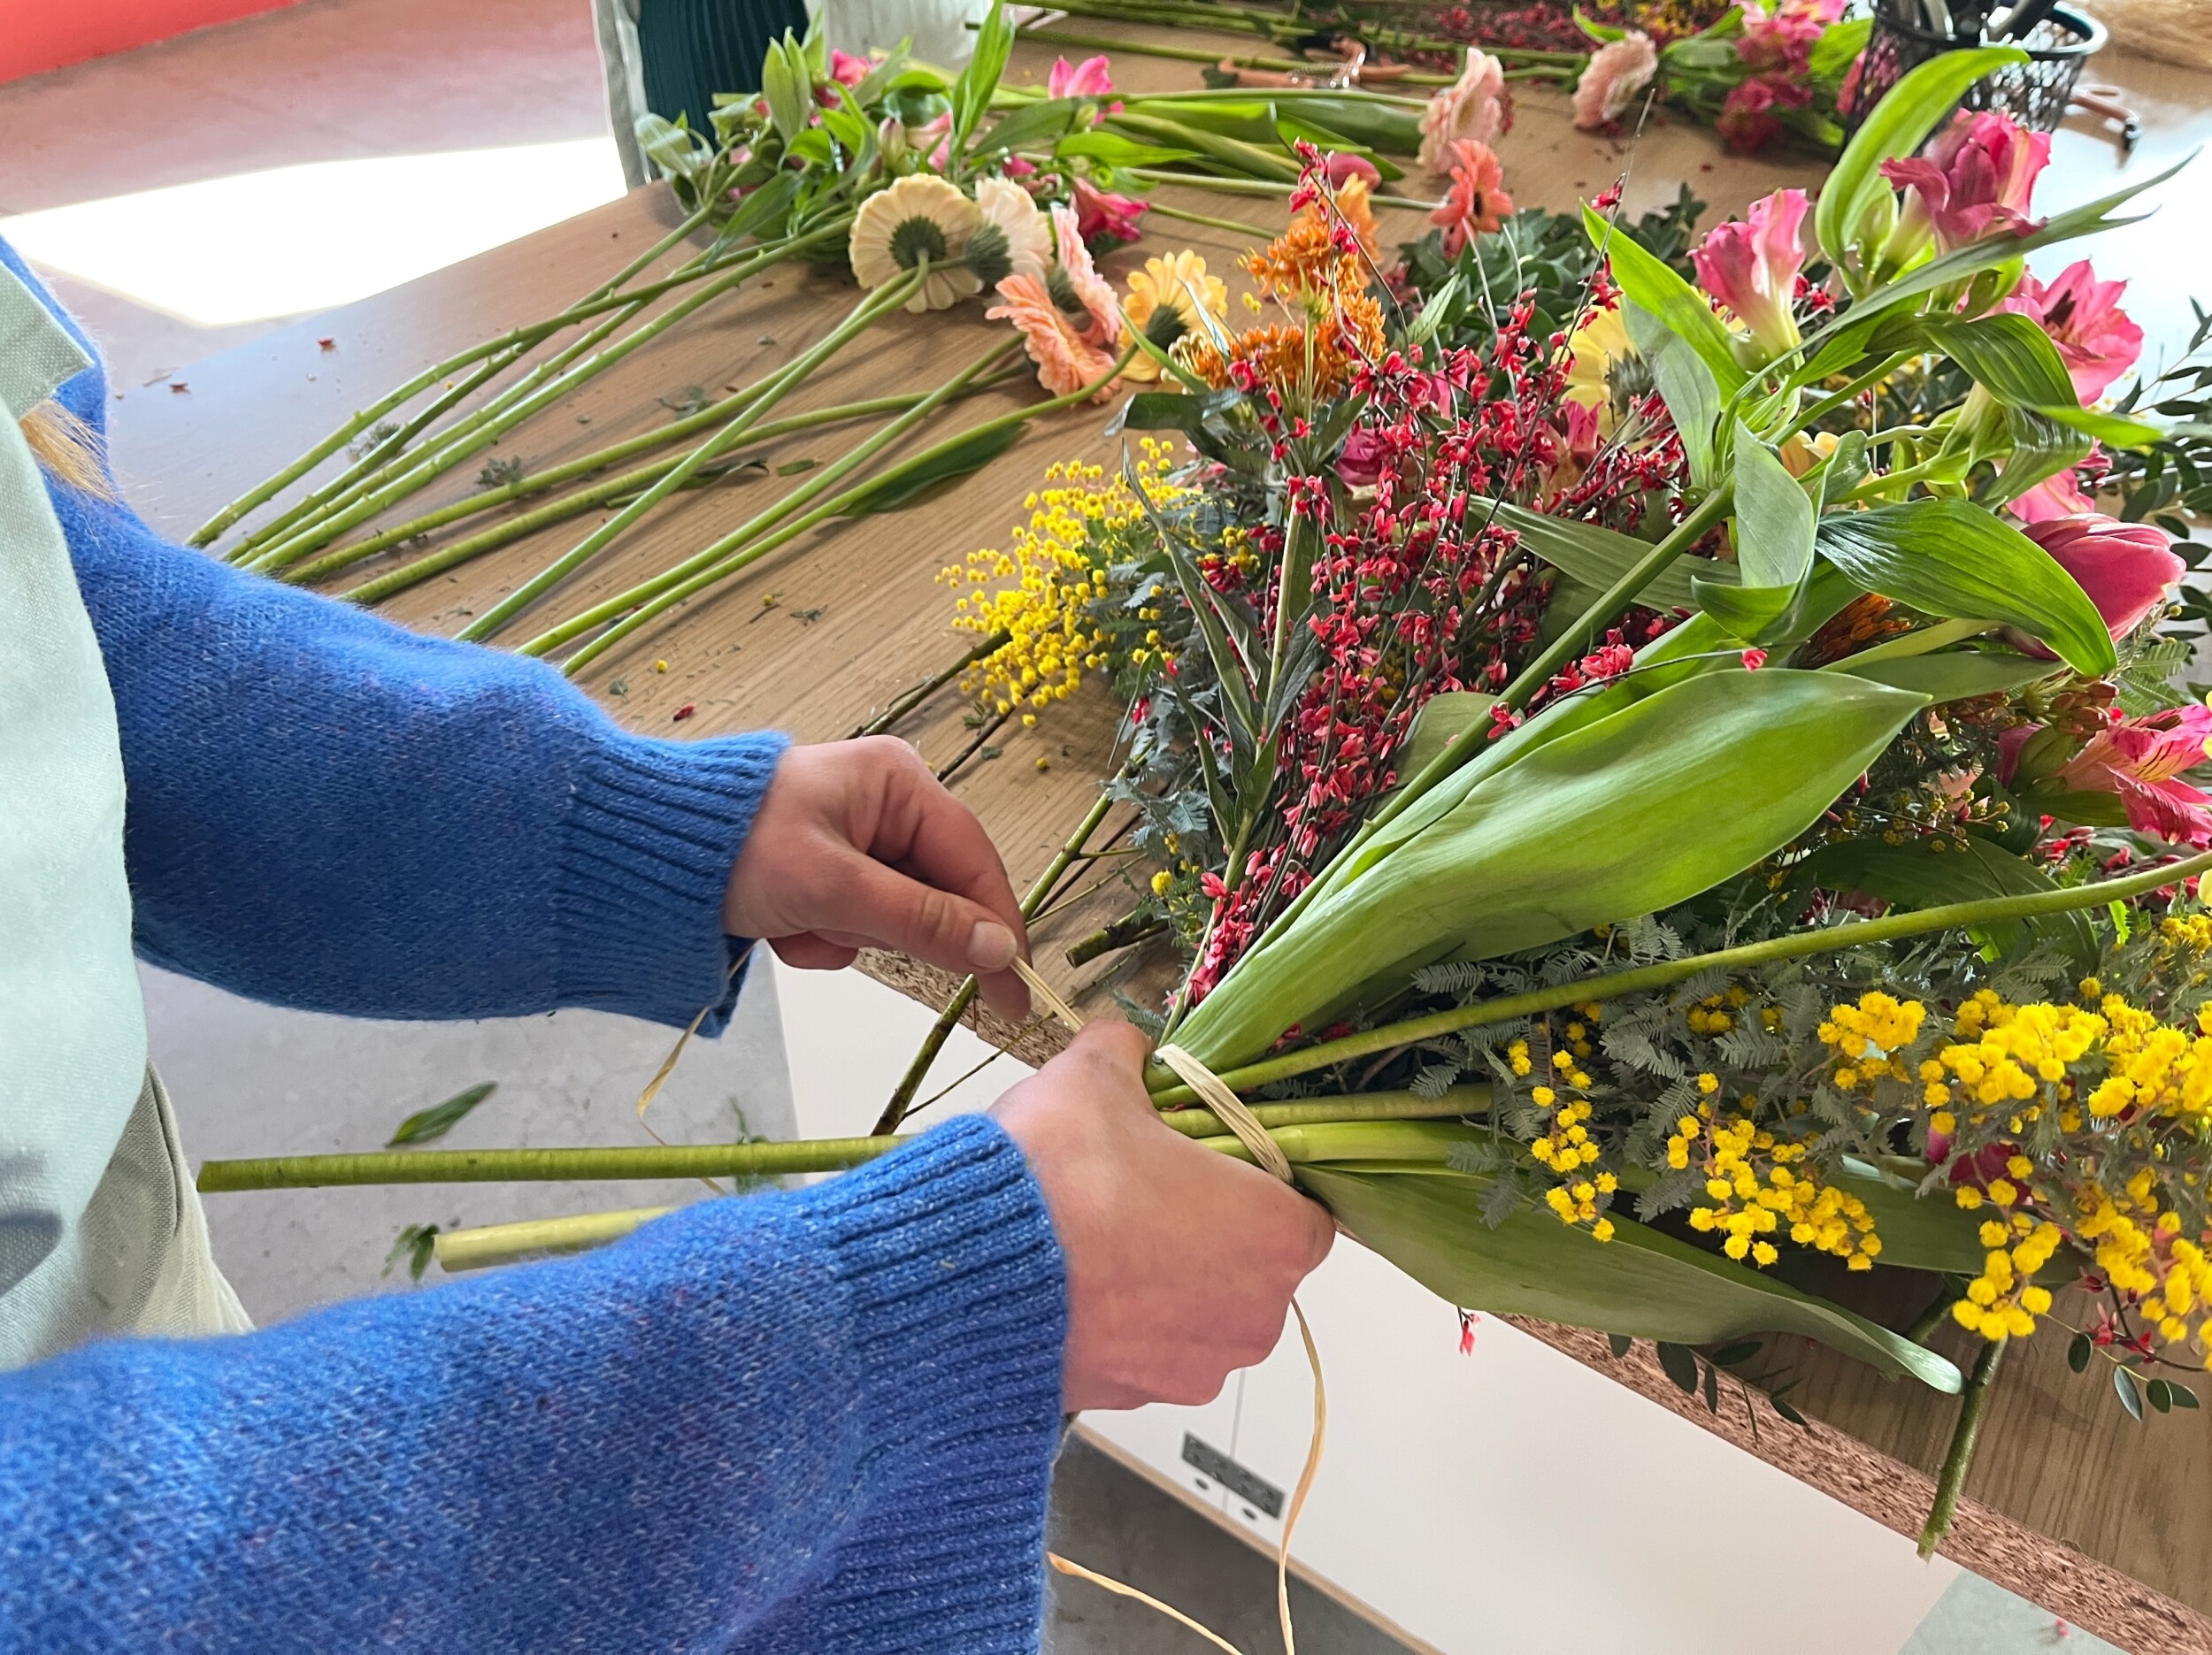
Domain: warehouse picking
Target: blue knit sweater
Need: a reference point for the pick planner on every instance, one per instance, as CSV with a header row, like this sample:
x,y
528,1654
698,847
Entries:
x,y
811,1421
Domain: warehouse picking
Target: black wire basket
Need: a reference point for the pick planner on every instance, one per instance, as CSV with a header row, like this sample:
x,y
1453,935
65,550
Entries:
x,y
2035,92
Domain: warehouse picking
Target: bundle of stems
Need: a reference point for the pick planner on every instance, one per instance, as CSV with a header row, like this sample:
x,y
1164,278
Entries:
x,y
391,469
628,611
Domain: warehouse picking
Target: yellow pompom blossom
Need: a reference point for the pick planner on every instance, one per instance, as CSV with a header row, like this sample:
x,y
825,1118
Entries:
x,y
1566,1147
1057,567
1758,1187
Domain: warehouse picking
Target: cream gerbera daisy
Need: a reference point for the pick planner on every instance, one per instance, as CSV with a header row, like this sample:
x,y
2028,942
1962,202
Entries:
x,y
920,216
1014,238
1167,299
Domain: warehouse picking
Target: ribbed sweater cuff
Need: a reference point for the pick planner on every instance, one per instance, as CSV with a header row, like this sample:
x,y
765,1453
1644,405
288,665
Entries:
x,y
956,1290
652,831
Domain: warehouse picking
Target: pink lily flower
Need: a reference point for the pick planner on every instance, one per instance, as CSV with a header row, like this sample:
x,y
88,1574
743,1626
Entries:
x,y
1976,182
2126,568
1751,267
2096,339
1089,79
1102,212
2141,760
2058,496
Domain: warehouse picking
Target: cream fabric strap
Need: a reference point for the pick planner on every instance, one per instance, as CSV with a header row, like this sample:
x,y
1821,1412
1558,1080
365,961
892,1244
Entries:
x,y
1264,1150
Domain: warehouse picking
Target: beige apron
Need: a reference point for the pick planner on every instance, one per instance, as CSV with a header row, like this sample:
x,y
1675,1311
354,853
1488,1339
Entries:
x,y
100,1230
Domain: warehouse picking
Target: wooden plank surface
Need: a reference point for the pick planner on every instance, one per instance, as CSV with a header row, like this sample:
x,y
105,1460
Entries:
x,y
858,614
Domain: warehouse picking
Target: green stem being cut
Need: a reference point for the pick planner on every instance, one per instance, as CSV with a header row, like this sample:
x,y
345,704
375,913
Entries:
x,y
1951,1481
1796,946
268,488
940,1032
872,309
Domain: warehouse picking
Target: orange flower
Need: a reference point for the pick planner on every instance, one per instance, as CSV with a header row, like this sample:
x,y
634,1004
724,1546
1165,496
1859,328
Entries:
x,y
1304,366
1477,203
1067,361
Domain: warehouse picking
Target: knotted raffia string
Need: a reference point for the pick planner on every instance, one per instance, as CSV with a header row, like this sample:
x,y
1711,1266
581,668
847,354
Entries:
x,y
1239,1120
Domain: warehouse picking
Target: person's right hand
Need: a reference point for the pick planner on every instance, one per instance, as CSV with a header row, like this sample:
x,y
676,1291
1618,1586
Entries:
x,y
1180,1260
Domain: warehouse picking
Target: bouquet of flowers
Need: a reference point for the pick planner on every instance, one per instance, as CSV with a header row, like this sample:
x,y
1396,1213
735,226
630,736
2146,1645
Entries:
x,y
1671,743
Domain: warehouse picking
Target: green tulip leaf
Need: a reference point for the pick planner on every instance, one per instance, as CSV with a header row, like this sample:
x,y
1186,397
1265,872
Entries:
x,y
1953,558
1543,834
1594,555
1652,283
1957,675
1686,384
1643,1283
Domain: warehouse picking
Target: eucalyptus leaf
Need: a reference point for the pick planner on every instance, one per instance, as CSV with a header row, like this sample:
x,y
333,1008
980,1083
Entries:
x,y
1951,557
1643,1283
427,1125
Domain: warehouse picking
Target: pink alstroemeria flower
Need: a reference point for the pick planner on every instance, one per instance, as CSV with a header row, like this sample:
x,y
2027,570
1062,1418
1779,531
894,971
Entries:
x,y
2141,760
1751,267
1976,182
848,69
1102,212
1784,39
1360,461
2097,341
2126,568
1616,72
1089,79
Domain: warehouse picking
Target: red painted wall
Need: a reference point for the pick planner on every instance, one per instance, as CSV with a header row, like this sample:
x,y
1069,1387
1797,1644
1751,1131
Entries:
x,y
36,35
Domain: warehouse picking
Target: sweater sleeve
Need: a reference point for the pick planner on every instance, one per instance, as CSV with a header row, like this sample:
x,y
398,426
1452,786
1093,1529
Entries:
x,y
328,811
685,1441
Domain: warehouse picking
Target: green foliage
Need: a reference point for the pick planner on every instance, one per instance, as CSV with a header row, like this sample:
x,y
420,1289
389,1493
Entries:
x,y
417,1245
1653,285
427,1125
1550,833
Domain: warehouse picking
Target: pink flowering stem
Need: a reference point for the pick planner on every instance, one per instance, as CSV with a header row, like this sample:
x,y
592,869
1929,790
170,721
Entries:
x,y
1167,1089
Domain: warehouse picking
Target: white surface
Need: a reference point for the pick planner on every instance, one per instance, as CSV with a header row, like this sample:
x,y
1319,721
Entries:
x,y
1509,1500
296,239
936,31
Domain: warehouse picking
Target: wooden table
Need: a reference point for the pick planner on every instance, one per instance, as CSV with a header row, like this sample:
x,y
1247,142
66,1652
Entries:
x,y
2099,1520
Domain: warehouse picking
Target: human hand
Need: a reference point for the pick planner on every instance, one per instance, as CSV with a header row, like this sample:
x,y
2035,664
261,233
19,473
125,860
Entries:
x,y
857,846
1180,1260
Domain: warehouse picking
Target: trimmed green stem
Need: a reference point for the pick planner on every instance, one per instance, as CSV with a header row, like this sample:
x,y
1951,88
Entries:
x,y
1126,933
758,1159
1643,979
269,487
1236,227
940,1032
1951,1481
873,307
656,597
562,374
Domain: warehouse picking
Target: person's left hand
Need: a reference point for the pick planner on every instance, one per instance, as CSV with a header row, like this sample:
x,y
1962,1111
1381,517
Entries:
x,y
858,845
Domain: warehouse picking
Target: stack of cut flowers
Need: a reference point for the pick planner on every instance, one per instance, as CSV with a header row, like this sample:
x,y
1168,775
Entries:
x,y
1663,767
